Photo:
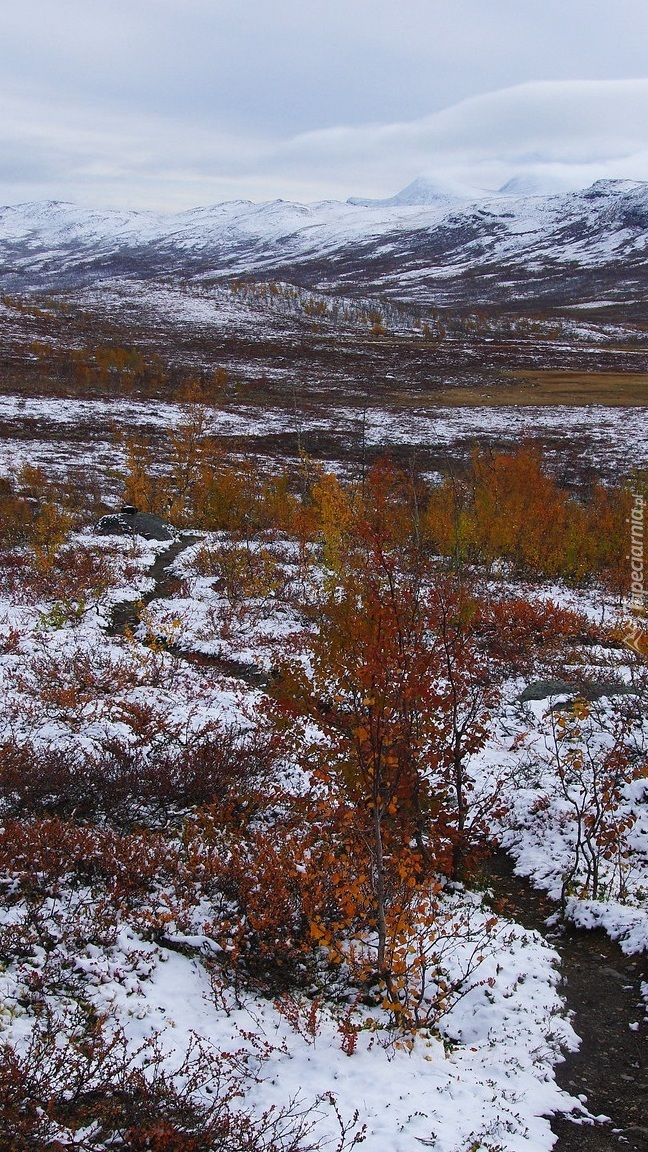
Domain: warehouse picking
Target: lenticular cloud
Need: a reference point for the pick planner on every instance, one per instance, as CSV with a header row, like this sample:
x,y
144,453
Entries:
x,y
546,136
578,129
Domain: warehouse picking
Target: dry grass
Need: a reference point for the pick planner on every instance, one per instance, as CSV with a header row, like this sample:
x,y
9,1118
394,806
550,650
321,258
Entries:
x,y
618,389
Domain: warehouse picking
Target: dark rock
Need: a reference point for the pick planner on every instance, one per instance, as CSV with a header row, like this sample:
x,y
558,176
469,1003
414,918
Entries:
x,y
130,522
543,689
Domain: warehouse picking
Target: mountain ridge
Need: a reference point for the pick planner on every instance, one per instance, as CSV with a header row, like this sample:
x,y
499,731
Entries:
x,y
557,247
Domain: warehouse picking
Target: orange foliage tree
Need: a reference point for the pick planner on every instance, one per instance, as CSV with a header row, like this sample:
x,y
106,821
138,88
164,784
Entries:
x,y
388,674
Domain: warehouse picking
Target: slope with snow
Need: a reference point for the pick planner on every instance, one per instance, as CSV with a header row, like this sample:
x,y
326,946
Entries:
x,y
426,244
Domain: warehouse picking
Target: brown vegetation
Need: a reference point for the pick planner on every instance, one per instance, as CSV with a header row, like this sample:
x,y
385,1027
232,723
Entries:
x,y
384,695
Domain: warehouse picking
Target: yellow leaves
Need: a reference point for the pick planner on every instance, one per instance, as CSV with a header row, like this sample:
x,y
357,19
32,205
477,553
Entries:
x,y
581,708
404,1044
391,1005
335,514
198,487
319,933
398,968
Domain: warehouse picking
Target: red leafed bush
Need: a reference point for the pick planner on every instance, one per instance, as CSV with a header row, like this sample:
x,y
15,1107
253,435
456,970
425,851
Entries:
x,y
127,784
517,634
95,1095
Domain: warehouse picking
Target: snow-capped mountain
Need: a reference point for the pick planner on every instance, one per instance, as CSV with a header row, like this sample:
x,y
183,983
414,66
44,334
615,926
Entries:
x,y
424,245
421,191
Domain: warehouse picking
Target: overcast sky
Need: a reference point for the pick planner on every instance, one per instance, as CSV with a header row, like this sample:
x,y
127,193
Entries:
x,y
167,104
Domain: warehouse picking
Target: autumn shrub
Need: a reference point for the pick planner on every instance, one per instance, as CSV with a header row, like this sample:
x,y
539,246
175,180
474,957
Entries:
x,y
75,577
508,507
243,570
92,1092
196,485
42,853
266,898
437,941
127,785
72,886
108,368
521,636
289,888
606,541
43,525
17,516
259,882
37,559
391,677
63,678
295,919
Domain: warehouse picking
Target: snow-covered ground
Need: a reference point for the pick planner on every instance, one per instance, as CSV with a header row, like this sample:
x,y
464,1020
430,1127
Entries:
x,y
483,1078
613,438
486,1076
549,804
491,1081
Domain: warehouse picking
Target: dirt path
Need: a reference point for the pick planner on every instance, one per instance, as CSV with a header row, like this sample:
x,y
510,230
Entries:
x,y
128,614
601,986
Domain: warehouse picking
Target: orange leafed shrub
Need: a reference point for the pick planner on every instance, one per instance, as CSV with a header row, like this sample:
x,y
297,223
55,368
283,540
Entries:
x,y
509,507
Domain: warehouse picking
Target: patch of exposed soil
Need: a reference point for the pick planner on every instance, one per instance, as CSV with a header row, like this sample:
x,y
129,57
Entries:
x,y
601,986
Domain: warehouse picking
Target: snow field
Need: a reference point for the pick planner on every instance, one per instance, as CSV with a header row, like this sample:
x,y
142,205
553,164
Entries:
x,y
486,1075
483,1078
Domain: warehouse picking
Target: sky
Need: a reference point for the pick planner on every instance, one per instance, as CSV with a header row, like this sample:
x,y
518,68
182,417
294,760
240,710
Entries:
x,y
170,104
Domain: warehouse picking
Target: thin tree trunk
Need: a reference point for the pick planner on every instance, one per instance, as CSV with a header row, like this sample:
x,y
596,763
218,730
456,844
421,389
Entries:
x,y
459,849
381,920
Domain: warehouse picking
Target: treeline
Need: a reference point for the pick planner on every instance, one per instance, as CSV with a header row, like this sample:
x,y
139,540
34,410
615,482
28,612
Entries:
x,y
378,317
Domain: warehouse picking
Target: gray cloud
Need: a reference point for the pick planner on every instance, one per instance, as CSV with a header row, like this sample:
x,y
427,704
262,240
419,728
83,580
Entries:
x,y
167,103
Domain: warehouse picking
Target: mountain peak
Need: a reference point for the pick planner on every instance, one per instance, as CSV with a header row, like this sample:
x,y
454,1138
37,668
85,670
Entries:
x,y
420,192
530,184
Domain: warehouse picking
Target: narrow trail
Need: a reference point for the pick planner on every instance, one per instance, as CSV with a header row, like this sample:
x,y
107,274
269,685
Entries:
x,y
601,985
127,615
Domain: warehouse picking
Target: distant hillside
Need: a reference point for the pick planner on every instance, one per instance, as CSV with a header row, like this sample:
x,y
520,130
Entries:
x,y
424,246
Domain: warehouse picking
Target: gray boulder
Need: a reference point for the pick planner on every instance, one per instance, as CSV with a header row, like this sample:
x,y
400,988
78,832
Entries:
x,y
131,522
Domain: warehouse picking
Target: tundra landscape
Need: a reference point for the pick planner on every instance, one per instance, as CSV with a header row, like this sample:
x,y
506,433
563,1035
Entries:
x,y
323,749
